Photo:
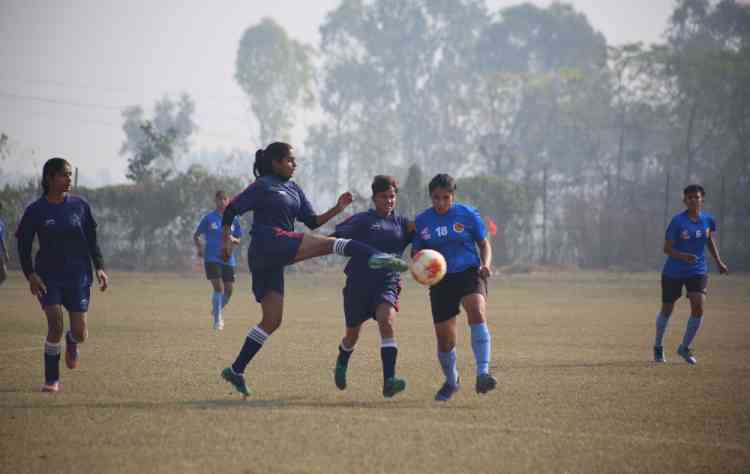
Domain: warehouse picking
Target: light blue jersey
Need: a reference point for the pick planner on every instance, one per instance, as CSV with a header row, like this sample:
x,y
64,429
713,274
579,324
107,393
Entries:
x,y
453,234
210,228
689,237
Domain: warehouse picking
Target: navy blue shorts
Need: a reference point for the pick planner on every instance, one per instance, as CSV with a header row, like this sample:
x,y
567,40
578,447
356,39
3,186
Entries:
x,y
671,288
273,247
75,300
360,303
267,279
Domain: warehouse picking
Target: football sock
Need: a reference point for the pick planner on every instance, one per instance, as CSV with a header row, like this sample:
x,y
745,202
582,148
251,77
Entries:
x,y
693,324
448,363
353,248
253,342
388,354
661,327
344,354
51,362
481,342
216,300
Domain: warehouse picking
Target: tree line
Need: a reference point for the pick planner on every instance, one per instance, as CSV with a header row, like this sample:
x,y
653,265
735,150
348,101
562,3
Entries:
x,y
578,150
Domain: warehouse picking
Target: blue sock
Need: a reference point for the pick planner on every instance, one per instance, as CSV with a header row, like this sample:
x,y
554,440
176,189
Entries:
x,y
353,248
216,300
253,342
224,299
388,354
51,362
448,363
693,324
481,342
661,327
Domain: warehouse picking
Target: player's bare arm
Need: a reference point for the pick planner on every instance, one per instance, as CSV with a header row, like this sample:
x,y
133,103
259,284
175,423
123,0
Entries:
x,y
342,203
715,254
485,255
670,251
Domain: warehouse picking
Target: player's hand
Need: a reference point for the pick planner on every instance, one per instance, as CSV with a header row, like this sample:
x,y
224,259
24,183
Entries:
x,y
723,268
103,280
344,200
690,258
36,285
226,249
411,226
485,271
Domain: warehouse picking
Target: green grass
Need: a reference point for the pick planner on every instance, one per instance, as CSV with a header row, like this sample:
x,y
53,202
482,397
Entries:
x,y
572,352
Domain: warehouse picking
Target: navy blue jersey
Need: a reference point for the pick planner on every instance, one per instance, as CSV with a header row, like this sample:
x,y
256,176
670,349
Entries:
x,y
453,234
688,237
67,241
275,203
3,252
387,234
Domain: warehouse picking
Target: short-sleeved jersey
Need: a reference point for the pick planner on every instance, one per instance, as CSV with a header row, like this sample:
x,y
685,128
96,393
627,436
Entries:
x,y
64,231
276,203
210,228
387,234
453,234
690,237
3,252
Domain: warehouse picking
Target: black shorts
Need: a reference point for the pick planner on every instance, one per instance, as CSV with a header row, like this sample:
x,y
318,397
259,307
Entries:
x,y
219,270
265,280
361,302
445,297
671,288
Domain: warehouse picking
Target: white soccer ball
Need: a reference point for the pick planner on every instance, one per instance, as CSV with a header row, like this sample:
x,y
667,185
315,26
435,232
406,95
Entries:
x,y
428,267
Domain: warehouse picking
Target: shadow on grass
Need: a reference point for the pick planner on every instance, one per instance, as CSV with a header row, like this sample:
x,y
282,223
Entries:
x,y
625,364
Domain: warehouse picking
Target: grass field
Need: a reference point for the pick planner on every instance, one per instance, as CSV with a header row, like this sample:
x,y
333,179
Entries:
x,y
577,393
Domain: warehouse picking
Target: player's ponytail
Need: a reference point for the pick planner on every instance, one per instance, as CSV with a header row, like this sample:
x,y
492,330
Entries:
x,y
264,158
52,167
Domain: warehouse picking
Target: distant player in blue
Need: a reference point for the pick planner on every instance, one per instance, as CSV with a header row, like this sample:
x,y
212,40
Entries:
x,y
369,293
60,276
277,202
457,231
218,272
684,243
3,250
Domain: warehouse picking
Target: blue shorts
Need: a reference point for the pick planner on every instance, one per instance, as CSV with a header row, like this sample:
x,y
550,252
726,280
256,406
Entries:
x,y
360,303
267,279
272,247
75,300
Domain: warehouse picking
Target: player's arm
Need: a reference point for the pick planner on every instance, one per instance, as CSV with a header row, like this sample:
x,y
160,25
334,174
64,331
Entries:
x,y
94,250
198,243
342,203
672,252
25,239
715,253
485,257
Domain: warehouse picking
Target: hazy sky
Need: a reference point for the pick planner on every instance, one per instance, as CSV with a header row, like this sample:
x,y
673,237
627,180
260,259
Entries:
x,y
66,72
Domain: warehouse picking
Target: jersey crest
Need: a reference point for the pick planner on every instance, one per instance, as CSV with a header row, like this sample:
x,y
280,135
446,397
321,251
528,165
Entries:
x,y
458,227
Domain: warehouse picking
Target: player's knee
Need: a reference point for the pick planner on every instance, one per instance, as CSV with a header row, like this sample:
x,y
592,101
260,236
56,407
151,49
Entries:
x,y
54,333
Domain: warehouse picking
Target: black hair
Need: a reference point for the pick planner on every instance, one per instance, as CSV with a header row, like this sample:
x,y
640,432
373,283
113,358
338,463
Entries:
x,y
444,181
694,188
263,158
220,194
382,183
52,167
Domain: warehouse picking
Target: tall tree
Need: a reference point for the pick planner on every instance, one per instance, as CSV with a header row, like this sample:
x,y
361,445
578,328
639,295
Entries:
x,y
276,73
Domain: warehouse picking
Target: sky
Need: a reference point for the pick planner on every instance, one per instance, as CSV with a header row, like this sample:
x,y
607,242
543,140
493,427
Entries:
x,y
67,71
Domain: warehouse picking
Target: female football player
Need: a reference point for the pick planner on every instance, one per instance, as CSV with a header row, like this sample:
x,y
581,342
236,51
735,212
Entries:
x,y
60,276
277,202
685,243
457,231
218,272
369,293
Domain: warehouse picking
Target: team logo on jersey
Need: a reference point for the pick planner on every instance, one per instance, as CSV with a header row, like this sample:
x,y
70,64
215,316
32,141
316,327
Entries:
x,y
458,227
49,222
425,233
698,234
685,235
214,226
75,220
376,226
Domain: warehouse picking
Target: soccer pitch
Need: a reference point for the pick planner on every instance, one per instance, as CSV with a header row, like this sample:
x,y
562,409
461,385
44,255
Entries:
x,y
572,352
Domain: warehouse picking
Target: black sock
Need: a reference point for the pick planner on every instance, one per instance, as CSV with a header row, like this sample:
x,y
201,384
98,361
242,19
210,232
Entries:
x,y
353,248
344,355
51,362
388,355
253,342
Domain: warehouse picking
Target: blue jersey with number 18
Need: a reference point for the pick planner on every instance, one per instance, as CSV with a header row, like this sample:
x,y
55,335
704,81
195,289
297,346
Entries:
x,y
453,234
